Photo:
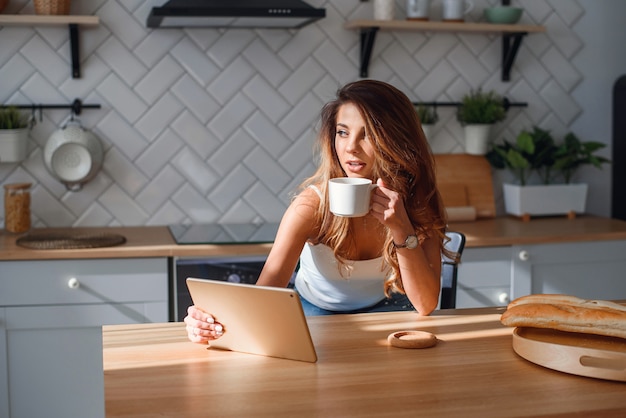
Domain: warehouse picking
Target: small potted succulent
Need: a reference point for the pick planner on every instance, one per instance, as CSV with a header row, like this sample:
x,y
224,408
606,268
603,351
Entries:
x,y
428,117
477,113
13,135
536,152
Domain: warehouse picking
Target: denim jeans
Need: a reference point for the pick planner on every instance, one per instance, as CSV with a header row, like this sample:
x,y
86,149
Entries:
x,y
397,302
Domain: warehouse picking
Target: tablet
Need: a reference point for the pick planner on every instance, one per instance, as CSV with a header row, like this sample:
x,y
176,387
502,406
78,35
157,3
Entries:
x,y
263,320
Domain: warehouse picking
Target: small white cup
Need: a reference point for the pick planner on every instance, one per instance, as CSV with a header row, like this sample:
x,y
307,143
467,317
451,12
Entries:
x,y
384,9
455,10
350,197
417,9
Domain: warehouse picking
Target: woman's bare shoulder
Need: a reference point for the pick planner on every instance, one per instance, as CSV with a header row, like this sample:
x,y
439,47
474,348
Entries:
x,y
306,203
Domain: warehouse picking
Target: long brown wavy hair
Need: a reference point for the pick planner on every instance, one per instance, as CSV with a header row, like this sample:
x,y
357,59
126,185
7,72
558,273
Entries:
x,y
403,160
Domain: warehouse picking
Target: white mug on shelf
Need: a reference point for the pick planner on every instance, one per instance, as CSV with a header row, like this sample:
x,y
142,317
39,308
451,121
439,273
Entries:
x,y
455,10
384,9
417,9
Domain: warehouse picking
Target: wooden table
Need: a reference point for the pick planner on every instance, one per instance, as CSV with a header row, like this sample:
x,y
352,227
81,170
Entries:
x,y
151,370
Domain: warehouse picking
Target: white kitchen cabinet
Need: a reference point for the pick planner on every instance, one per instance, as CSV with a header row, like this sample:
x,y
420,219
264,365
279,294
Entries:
x,y
590,270
492,276
484,277
51,317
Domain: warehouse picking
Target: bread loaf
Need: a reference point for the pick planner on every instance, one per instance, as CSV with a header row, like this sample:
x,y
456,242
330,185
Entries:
x,y
565,300
567,313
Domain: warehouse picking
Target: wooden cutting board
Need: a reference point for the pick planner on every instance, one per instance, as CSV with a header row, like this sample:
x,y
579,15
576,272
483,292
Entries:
x,y
574,353
465,181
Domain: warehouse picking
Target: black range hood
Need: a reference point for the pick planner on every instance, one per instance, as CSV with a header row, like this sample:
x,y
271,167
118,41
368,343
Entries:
x,y
279,14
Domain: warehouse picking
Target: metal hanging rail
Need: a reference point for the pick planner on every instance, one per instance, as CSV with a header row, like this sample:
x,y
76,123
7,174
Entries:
x,y
76,106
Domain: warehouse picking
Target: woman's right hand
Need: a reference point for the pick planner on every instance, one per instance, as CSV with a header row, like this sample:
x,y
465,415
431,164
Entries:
x,y
201,326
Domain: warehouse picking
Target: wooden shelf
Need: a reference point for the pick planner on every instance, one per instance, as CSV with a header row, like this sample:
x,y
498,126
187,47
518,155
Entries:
x,y
37,20
511,35
439,26
50,20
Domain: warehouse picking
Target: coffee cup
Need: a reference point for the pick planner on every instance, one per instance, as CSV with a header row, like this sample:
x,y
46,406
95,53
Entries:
x,y
455,10
384,9
350,197
417,9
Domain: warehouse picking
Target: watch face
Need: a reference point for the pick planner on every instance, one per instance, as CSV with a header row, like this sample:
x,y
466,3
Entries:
x,y
411,242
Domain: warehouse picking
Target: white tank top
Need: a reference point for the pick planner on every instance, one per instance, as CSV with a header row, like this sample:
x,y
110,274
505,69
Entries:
x,y
359,284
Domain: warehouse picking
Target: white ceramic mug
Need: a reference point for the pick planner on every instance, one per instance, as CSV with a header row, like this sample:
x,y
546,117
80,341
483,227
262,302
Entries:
x,y
417,9
455,10
349,196
384,9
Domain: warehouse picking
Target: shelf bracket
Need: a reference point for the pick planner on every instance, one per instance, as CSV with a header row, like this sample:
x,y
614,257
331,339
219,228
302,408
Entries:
x,y
368,36
74,50
510,45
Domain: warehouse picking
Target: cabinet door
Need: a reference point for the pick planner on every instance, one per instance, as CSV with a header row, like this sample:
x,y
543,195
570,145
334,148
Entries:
x,y
54,363
590,270
484,277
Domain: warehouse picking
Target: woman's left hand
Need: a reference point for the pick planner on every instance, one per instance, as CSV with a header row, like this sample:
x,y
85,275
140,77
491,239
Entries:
x,y
388,208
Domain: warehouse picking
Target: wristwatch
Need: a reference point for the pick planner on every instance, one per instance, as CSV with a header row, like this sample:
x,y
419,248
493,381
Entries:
x,y
411,242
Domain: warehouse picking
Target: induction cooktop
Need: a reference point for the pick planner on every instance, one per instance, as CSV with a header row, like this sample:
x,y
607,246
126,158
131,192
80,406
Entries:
x,y
224,233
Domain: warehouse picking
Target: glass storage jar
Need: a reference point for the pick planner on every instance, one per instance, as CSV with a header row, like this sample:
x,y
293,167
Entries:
x,y
17,207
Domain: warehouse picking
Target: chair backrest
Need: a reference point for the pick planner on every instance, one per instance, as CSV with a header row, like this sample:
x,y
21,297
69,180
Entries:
x,y
449,268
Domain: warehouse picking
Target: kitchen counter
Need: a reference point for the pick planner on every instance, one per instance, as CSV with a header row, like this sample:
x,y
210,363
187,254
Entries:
x,y
141,241
504,231
152,370
156,241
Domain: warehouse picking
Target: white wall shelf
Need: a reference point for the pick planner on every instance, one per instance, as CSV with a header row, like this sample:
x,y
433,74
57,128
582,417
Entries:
x,y
511,36
51,20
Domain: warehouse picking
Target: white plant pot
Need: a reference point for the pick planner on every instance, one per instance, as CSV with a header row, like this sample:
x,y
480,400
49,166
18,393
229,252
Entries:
x,y
548,199
477,139
13,145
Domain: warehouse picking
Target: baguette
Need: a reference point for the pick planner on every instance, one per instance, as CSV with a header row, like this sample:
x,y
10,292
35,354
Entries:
x,y
567,313
565,300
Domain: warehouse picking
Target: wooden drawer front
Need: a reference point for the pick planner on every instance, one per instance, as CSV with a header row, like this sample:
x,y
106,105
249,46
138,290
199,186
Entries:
x,y
98,281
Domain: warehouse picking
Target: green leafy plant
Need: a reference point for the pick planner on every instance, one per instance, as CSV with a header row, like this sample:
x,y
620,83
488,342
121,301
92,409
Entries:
x,y
573,153
12,118
478,107
426,114
532,151
537,151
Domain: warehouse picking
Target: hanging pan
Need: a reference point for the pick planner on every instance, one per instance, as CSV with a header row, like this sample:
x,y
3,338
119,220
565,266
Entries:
x,y
73,155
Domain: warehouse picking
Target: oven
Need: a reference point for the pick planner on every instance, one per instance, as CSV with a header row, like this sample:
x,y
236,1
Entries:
x,y
235,268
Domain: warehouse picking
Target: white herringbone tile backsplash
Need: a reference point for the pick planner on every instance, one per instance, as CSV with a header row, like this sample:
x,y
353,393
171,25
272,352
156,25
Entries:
x,y
206,125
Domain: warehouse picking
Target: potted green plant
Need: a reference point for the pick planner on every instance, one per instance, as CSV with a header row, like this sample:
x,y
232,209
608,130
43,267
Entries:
x,y
536,152
477,112
573,153
532,151
428,117
13,135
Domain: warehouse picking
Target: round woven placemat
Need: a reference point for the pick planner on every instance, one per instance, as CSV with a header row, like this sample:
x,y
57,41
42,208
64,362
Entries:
x,y
61,241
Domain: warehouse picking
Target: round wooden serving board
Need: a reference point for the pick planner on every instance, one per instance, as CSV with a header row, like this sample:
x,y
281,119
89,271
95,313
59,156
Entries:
x,y
571,352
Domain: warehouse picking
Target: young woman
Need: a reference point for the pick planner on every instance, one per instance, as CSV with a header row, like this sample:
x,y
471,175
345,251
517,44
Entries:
x,y
372,131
